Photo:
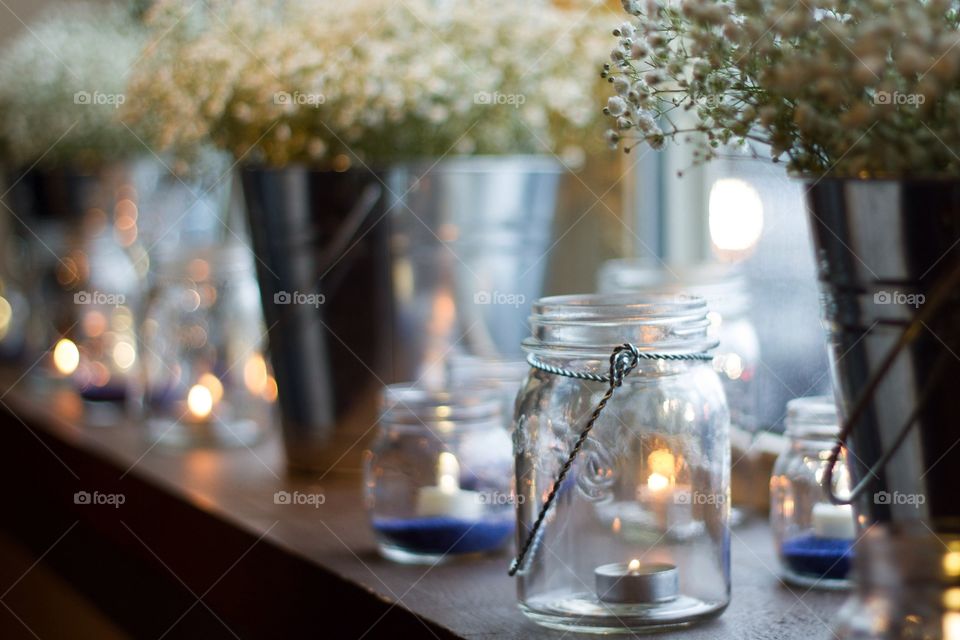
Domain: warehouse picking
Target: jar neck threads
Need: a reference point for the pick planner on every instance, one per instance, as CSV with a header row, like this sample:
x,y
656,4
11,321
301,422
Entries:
x,y
813,418
441,411
590,326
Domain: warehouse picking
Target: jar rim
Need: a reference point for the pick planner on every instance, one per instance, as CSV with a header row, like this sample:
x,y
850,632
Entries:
x,y
675,323
723,286
464,406
814,416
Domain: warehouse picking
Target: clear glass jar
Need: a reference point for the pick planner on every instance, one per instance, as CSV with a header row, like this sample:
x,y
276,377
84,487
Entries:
x,y
506,375
907,586
813,537
638,537
205,381
438,476
725,290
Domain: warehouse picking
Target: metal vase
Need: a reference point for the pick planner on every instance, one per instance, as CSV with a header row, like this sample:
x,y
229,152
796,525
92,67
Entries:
x,y
883,249
469,238
321,255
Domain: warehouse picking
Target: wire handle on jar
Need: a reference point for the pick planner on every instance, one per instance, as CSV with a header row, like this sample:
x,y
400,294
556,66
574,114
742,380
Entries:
x,y
623,360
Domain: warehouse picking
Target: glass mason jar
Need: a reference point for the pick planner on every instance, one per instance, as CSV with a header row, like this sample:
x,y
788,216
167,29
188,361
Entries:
x,y
725,290
638,536
437,478
506,375
97,351
908,585
204,379
814,538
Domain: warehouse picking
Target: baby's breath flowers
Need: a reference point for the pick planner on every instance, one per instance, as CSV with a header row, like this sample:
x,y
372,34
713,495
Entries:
x,y
320,81
62,81
845,87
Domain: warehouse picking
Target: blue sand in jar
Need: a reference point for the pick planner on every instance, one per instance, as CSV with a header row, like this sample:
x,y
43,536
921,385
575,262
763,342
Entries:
x,y
443,534
820,557
108,393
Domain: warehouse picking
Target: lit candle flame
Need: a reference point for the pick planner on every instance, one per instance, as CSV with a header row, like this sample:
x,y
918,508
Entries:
x,y
633,565
658,482
448,473
213,385
200,401
255,375
951,625
66,356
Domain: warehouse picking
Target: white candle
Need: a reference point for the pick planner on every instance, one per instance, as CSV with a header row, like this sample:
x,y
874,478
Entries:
x,y
834,521
447,498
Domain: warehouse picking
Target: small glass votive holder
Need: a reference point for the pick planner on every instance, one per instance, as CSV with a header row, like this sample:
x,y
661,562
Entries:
x,y
205,381
505,374
814,538
439,476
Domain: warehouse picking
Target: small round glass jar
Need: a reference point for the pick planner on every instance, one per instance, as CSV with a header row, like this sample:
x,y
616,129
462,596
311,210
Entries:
x,y
438,476
205,381
638,537
814,538
506,375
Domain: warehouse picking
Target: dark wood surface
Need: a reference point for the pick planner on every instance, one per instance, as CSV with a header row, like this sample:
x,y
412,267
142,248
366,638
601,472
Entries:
x,y
200,547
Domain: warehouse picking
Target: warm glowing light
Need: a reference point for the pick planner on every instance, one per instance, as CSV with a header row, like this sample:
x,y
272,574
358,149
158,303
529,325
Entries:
x,y
124,355
126,208
951,563
448,473
951,598
732,365
616,525
94,324
66,356
6,314
736,215
658,482
213,385
633,565
662,462
198,269
255,375
97,374
199,401
68,272
271,391
951,626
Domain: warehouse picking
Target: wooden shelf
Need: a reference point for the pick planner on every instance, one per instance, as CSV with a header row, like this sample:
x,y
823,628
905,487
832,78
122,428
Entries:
x,y
200,547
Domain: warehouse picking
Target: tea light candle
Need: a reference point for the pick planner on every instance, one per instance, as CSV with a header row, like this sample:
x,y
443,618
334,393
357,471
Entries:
x,y
199,404
834,521
636,583
447,498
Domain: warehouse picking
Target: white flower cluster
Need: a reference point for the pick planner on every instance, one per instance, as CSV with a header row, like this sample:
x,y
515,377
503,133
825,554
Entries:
x,y
846,87
62,82
322,81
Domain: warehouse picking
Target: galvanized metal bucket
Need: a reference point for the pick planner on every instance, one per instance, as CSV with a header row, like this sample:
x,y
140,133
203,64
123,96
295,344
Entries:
x,y
469,244
321,256
888,255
